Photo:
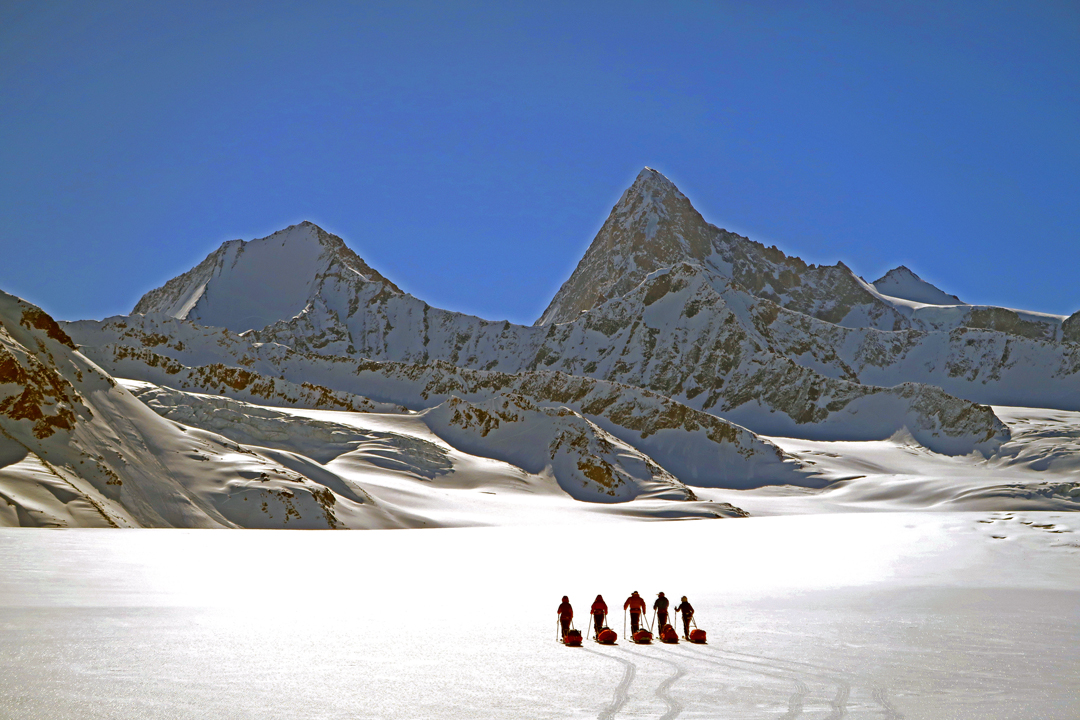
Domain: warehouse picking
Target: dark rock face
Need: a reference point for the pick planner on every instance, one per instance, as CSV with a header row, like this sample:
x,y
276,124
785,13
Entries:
x,y
1070,329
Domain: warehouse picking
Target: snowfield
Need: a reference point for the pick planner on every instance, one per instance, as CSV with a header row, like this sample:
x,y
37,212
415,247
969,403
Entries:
x,y
855,615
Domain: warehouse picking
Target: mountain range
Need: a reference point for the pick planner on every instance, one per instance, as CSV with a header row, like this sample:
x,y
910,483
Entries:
x,y
670,365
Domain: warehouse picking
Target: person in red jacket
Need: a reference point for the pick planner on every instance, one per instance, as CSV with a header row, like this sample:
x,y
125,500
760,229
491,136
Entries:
x,y
636,606
566,614
599,612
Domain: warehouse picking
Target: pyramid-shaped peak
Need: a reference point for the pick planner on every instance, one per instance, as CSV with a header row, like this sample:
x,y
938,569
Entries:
x,y
902,282
652,226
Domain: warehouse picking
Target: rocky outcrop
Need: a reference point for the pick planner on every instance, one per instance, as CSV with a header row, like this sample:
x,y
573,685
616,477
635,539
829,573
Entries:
x,y
1070,329
77,449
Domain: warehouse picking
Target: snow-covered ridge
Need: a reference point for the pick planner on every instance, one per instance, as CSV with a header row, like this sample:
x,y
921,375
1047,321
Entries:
x,y
675,333
696,447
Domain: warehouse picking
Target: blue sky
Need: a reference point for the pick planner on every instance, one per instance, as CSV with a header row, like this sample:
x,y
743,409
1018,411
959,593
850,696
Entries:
x,y
471,151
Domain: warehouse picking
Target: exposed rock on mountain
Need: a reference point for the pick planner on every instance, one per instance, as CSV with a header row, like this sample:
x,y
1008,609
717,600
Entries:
x,y
76,449
1070,329
698,448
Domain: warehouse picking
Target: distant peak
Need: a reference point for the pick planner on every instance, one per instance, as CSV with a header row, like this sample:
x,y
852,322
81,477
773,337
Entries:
x,y
902,282
901,271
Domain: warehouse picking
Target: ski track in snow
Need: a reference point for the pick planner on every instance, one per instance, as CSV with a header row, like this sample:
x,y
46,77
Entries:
x,y
794,707
795,701
622,691
839,703
843,687
663,691
881,696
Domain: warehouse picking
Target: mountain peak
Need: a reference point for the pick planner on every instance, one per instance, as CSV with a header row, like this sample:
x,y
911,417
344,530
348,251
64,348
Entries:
x,y
653,180
248,285
901,282
650,193
652,226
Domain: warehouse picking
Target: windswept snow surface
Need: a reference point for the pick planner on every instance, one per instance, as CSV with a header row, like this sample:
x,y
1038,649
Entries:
x,y
888,615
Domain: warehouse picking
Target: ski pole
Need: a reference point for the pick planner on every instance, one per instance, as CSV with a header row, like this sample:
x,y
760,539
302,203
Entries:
x,y
624,622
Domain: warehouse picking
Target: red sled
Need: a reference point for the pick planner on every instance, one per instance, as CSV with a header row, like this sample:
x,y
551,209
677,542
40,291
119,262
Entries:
x,y
607,636
697,636
642,637
669,636
572,638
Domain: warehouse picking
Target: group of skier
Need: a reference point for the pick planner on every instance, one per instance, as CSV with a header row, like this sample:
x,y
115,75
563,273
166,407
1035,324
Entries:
x,y
635,604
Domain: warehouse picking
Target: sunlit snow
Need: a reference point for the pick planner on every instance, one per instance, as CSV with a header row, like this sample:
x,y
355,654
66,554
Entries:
x,y
892,615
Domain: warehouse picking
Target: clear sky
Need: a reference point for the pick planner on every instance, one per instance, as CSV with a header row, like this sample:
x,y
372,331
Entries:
x,y
470,151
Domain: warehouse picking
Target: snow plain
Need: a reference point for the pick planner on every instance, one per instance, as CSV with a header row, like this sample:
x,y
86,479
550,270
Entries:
x,y
854,615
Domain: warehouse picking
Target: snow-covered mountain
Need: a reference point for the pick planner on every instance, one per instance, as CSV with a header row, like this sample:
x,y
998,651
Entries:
x,y
687,331
656,372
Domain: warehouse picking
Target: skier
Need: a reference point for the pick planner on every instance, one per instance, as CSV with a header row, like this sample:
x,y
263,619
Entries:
x,y
660,606
636,606
566,614
599,612
687,611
